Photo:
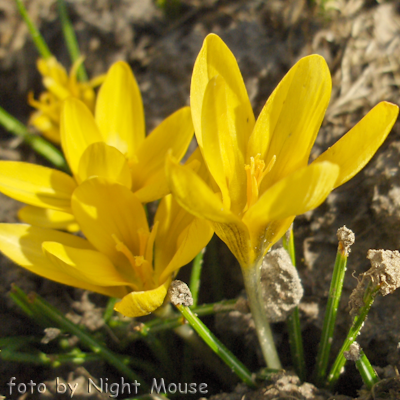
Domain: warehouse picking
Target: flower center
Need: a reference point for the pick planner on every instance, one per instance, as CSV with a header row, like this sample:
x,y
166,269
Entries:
x,y
142,264
256,172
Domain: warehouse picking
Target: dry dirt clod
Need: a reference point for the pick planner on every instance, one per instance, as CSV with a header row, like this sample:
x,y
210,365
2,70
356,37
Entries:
x,y
385,270
346,238
179,293
354,352
50,334
282,289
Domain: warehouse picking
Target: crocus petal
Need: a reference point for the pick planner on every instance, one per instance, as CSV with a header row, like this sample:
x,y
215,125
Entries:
x,y
290,120
47,218
192,193
223,147
353,151
215,58
119,110
237,238
78,131
180,237
105,161
155,188
85,264
174,133
107,212
23,244
36,185
299,192
137,304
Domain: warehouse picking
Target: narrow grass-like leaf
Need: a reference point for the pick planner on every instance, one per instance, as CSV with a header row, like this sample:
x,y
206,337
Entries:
x,y
70,38
335,293
37,38
38,144
233,363
194,284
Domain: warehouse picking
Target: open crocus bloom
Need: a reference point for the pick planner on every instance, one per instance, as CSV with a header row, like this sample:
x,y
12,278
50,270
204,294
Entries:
x,y
120,256
260,168
59,87
112,144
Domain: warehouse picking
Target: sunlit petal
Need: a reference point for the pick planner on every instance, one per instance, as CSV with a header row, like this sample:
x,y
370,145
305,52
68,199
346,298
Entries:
x,y
107,212
155,188
192,193
36,185
223,150
104,161
47,218
23,244
299,192
174,134
78,131
353,151
119,110
215,58
137,304
88,265
290,120
180,237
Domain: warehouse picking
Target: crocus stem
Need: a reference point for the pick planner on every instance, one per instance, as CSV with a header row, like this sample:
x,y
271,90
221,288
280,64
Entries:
x,y
236,366
252,283
40,145
293,321
194,284
335,293
358,322
37,38
70,38
368,374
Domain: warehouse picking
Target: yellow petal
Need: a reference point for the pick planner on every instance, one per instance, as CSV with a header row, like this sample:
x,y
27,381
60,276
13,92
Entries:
x,y
47,218
276,230
290,120
105,161
192,193
237,237
119,110
299,192
155,188
215,58
108,211
174,133
23,244
353,151
85,264
36,185
137,304
78,131
223,147
180,237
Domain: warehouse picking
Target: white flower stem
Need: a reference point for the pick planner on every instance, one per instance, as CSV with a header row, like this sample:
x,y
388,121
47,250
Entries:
x,y
252,283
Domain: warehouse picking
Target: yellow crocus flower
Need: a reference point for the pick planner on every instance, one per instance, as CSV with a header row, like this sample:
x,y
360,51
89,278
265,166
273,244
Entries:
x,y
120,256
111,144
261,178
260,168
59,87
